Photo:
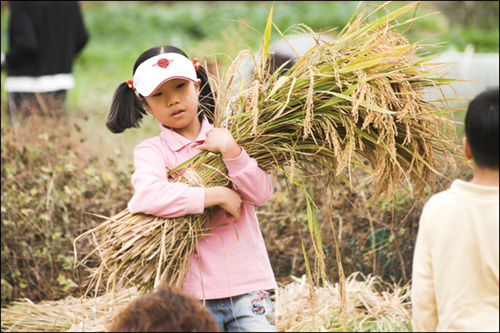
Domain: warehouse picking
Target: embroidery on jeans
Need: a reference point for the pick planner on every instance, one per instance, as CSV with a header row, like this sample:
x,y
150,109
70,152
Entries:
x,y
262,295
257,308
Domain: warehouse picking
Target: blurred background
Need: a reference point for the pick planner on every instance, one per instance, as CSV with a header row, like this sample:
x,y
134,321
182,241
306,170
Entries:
x,y
215,31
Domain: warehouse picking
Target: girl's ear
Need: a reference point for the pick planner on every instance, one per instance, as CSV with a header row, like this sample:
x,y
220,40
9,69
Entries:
x,y
197,85
146,105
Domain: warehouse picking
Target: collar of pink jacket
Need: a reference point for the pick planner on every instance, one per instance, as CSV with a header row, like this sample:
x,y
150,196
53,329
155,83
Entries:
x,y
176,141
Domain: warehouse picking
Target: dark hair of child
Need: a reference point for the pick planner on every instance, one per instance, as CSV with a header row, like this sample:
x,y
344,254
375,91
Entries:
x,y
481,128
167,309
127,110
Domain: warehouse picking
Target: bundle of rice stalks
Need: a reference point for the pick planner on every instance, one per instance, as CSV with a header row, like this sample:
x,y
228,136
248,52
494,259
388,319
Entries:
x,y
357,101
143,250
359,98
371,306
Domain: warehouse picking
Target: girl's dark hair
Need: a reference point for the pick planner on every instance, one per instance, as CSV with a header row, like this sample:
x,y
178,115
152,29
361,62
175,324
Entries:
x,y
481,128
126,108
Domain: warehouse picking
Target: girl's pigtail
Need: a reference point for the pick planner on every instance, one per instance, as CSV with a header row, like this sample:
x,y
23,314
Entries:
x,y
207,97
126,110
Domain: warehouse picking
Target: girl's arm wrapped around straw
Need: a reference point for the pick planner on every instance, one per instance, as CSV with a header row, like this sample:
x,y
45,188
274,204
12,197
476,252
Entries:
x,y
249,180
154,193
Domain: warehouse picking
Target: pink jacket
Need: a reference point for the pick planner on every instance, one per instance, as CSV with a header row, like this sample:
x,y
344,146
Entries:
x,y
233,259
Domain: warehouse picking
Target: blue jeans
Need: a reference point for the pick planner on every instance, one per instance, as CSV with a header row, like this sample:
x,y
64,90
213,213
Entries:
x,y
252,312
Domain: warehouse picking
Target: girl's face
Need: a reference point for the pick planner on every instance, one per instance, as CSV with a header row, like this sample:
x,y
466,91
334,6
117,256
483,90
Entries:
x,y
175,104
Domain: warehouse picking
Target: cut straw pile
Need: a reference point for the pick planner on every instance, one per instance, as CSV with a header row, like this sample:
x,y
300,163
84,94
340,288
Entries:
x,y
368,309
357,101
67,315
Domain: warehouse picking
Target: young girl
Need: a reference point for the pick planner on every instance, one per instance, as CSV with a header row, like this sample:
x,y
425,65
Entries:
x,y
230,268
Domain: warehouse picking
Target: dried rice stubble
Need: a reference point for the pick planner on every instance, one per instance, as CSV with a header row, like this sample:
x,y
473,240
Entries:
x,y
372,305
70,314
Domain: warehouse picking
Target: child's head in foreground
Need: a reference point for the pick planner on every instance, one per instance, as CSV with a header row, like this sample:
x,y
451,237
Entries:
x,y
481,130
167,309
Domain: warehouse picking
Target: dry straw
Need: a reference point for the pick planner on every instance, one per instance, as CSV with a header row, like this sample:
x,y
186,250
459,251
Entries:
x,y
357,101
66,315
372,306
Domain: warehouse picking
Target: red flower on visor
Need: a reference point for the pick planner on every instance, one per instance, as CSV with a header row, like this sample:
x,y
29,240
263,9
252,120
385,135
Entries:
x,y
163,63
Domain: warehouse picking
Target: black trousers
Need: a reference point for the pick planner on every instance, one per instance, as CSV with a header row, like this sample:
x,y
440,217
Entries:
x,y
49,104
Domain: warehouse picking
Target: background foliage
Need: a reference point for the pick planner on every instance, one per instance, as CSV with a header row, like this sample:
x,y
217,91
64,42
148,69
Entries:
x,y
49,187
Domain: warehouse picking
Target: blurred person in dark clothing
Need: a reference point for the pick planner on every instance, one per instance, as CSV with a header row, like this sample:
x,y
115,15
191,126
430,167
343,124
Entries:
x,y
44,37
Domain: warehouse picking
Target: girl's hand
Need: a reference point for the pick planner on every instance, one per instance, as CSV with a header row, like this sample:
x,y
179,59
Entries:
x,y
220,140
226,198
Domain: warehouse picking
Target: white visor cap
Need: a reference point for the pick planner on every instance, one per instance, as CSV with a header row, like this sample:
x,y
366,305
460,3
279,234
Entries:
x,y
155,71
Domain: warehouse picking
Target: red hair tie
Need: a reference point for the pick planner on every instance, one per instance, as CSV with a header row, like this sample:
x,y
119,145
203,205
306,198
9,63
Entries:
x,y
130,85
196,64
